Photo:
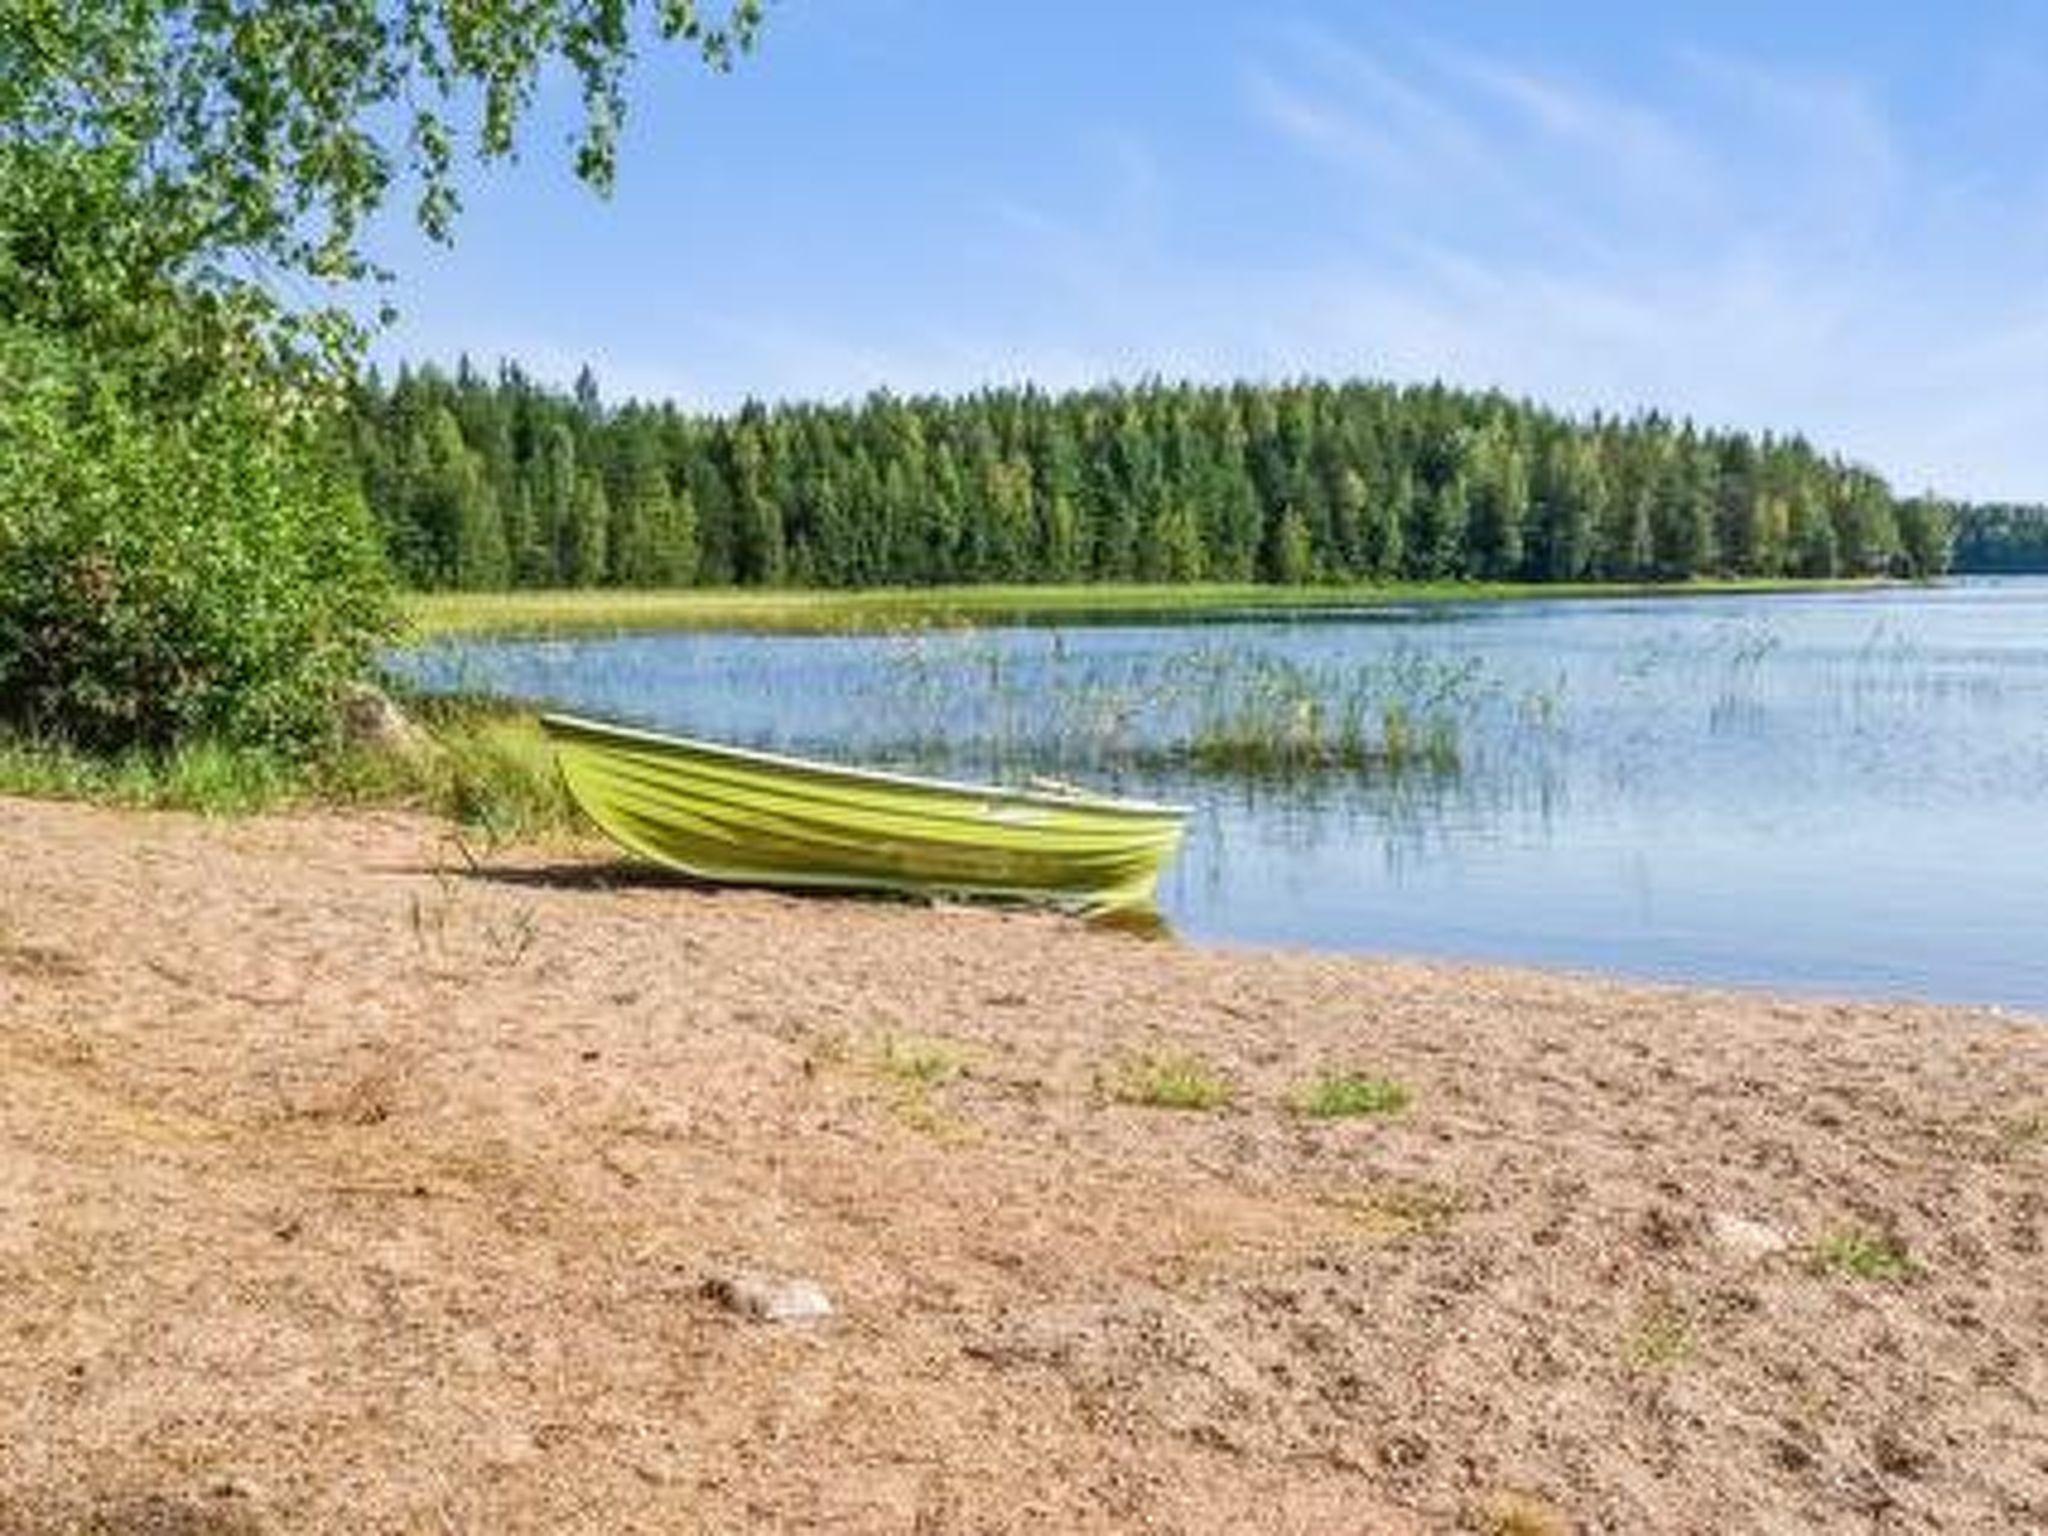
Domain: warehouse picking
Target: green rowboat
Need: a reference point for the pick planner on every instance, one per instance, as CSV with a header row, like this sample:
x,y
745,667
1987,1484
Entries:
x,y
755,818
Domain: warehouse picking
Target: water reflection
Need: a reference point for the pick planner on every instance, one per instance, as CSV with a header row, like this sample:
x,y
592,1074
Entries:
x,y
1844,792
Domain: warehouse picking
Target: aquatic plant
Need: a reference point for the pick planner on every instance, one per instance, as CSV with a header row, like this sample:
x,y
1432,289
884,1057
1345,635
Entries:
x,y
1205,710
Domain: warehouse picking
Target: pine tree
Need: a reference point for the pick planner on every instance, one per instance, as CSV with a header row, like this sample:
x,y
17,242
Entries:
x,y
1498,504
1811,536
478,480
589,526
1926,535
554,484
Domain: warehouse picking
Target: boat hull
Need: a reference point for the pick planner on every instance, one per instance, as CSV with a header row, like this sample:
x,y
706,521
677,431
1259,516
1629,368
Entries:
x,y
723,814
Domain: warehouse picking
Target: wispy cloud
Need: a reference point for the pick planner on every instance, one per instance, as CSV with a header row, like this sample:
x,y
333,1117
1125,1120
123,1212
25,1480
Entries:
x,y
1737,240
1725,236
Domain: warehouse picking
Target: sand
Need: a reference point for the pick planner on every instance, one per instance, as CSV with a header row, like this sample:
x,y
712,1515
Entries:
x,y
349,1186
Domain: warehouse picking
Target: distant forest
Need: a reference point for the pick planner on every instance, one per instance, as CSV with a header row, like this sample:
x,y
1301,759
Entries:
x,y
499,482
2000,537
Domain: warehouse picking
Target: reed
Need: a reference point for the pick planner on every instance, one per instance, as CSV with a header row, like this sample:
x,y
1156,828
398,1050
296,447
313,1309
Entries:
x,y
812,611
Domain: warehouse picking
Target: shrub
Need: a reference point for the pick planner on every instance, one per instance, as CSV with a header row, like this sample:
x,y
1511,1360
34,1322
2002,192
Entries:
x,y
175,571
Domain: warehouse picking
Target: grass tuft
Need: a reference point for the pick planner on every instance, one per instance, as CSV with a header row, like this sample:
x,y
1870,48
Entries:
x,y
1662,1336
213,778
916,1069
1400,1210
917,1063
482,764
2026,1132
1173,1080
1862,1253
1346,1096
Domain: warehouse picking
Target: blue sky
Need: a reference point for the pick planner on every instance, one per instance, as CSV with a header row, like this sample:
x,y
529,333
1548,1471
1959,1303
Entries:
x,y
1827,218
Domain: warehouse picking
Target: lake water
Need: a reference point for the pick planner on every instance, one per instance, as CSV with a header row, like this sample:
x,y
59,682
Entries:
x,y
1843,792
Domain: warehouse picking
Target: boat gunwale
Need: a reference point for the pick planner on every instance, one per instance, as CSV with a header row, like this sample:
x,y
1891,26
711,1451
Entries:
x,y
1085,801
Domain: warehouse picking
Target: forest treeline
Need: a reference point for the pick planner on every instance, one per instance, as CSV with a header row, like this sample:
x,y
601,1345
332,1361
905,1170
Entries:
x,y
1999,537
488,482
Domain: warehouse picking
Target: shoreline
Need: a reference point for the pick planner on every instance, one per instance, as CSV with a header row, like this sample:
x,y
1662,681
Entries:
x,y
538,613
355,1181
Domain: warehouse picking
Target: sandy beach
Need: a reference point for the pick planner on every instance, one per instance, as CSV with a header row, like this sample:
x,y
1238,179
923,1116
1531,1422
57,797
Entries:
x,y
355,1181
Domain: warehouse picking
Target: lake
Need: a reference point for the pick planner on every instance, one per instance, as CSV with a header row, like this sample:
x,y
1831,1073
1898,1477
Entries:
x,y
1834,792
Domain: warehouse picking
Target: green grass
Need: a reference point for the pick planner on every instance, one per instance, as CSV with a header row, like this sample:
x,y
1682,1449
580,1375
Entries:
x,y
492,769
917,1063
1862,1253
203,776
1346,1096
916,1068
615,610
1173,1080
487,766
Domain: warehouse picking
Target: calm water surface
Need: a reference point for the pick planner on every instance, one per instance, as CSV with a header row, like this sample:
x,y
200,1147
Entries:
x,y
1844,793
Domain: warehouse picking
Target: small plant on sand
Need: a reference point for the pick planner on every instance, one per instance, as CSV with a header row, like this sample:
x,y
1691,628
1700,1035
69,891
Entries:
x,y
1400,1210
915,1069
1172,1080
917,1063
2026,1133
1862,1253
1662,1336
1511,1513
1347,1096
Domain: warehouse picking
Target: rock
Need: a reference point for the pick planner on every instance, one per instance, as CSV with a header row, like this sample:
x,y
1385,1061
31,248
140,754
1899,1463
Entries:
x,y
1750,1239
767,1299
369,719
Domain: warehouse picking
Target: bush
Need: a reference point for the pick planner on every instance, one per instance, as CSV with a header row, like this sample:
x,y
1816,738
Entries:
x,y
169,573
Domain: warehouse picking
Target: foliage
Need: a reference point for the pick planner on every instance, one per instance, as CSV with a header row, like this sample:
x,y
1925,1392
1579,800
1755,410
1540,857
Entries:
x,y
1291,485
2001,538
183,189
210,149
203,573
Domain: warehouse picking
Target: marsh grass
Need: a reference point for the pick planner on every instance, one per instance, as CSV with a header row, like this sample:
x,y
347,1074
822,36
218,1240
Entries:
x,y
616,611
998,704
1172,1080
1346,1096
1863,1253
